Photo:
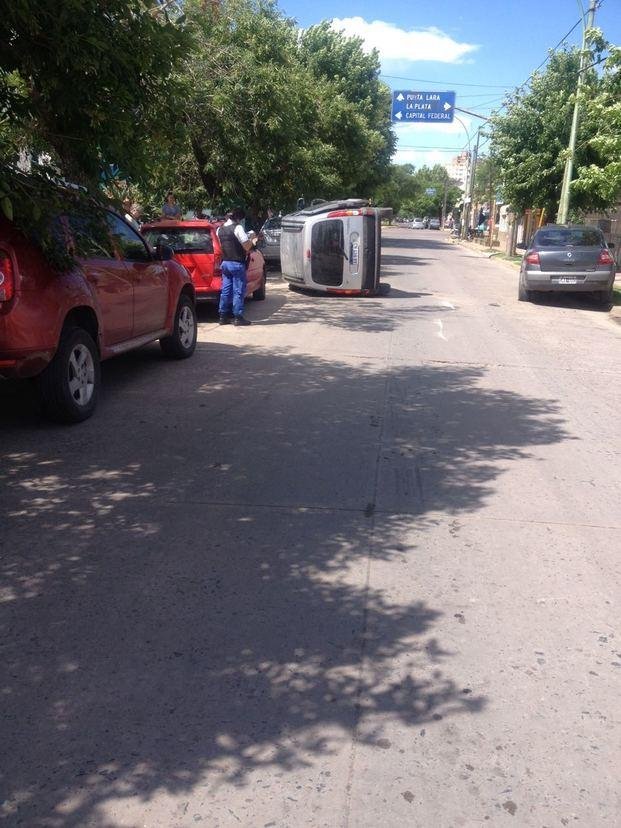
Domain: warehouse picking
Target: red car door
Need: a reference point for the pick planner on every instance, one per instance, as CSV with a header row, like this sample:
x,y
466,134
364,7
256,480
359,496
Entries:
x,y
149,278
108,277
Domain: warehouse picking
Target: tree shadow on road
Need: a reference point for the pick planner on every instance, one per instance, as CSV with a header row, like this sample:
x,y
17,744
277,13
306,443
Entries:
x,y
179,610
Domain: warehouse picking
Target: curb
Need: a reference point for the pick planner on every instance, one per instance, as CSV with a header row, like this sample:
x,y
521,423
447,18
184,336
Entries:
x,y
489,254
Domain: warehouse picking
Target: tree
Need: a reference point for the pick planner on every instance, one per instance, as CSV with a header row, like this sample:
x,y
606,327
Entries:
x,y
398,190
354,108
83,79
530,140
266,117
601,179
81,85
486,179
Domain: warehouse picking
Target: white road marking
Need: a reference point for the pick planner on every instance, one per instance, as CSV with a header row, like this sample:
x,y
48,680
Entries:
x,y
447,305
440,325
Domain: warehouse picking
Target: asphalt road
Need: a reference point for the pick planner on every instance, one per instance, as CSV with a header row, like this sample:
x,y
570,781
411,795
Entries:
x,y
354,566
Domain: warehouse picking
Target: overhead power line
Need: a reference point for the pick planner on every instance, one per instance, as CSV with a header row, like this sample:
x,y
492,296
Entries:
x,y
456,150
449,83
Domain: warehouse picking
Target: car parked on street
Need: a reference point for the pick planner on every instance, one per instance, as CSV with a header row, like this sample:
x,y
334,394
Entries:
x,y
567,258
270,240
434,224
418,224
56,326
196,246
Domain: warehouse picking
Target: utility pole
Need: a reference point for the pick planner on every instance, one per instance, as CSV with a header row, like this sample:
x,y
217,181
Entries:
x,y
470,188
563,205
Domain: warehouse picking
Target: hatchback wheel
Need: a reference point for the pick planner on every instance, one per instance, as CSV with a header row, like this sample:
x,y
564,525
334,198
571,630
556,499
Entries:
x,y
69,386
182,342
524,295
605,297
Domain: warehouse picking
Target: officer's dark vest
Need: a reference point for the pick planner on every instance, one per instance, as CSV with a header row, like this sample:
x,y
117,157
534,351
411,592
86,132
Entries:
x,y
232,249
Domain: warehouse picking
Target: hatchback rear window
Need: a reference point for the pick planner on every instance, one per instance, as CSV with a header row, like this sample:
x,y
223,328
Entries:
x,y
568,237
182,239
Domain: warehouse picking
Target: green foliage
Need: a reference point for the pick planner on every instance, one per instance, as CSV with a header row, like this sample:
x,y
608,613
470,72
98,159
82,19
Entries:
x,y
82,85
405,190
267,118
601,179
84,80
486,179
530,139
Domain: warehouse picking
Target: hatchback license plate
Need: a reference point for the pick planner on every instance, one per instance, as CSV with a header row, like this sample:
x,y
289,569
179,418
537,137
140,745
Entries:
x,y
564,280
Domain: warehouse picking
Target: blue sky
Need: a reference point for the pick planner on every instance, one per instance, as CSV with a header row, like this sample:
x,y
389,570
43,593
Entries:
x,y
478,50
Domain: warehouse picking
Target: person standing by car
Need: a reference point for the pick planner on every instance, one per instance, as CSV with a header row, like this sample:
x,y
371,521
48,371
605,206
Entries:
x,y
236,244
170,208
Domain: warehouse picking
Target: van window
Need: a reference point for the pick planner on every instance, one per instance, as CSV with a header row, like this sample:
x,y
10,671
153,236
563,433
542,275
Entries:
x,y
327,252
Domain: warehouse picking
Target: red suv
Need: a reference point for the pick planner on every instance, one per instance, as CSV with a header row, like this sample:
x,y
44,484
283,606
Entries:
x,y
57,326
197,247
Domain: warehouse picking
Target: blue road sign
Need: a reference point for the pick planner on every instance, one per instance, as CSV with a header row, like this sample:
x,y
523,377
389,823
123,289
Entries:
x,y
422,107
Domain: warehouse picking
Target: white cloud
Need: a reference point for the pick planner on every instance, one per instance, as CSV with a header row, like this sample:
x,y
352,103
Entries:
x,y
411,45
420,158
424,131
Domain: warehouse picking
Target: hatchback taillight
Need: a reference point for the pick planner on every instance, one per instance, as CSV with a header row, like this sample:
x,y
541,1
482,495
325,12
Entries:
x,y
605,258
217,265
533,258
7,277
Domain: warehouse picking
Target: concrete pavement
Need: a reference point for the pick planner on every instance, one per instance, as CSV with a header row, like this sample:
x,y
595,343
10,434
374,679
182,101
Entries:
x,y
355,565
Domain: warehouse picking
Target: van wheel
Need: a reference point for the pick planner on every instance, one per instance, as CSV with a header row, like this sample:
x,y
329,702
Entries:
x,y
69,386
182,342
259,293
524,295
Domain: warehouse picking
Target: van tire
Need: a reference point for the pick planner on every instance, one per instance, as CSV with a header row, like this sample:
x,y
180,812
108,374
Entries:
x,y
69,386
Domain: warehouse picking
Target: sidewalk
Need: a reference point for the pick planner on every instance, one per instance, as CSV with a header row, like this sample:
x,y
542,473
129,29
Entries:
x,y
486,252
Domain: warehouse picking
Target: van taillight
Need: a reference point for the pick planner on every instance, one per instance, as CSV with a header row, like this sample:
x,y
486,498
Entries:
x,y
605,258
533,258
7,277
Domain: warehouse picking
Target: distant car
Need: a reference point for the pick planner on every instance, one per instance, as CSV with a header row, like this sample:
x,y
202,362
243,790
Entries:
x,y
434,224
567,258
418,224
56,326
270,243
196,246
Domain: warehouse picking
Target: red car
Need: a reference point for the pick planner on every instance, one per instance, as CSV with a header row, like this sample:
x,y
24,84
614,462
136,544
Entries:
x,y
197,247
56,326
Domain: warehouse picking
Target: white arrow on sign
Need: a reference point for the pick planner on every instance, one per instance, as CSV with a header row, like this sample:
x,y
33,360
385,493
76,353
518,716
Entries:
x,y
398,115
446,105
400,97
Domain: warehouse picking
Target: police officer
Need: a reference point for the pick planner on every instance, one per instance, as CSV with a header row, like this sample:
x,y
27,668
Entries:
x,y
236,244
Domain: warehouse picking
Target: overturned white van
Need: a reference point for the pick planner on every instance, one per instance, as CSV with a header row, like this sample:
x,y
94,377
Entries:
x,y
334,247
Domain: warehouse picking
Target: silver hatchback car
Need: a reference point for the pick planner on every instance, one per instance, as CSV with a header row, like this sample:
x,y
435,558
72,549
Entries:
x,y
565,257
